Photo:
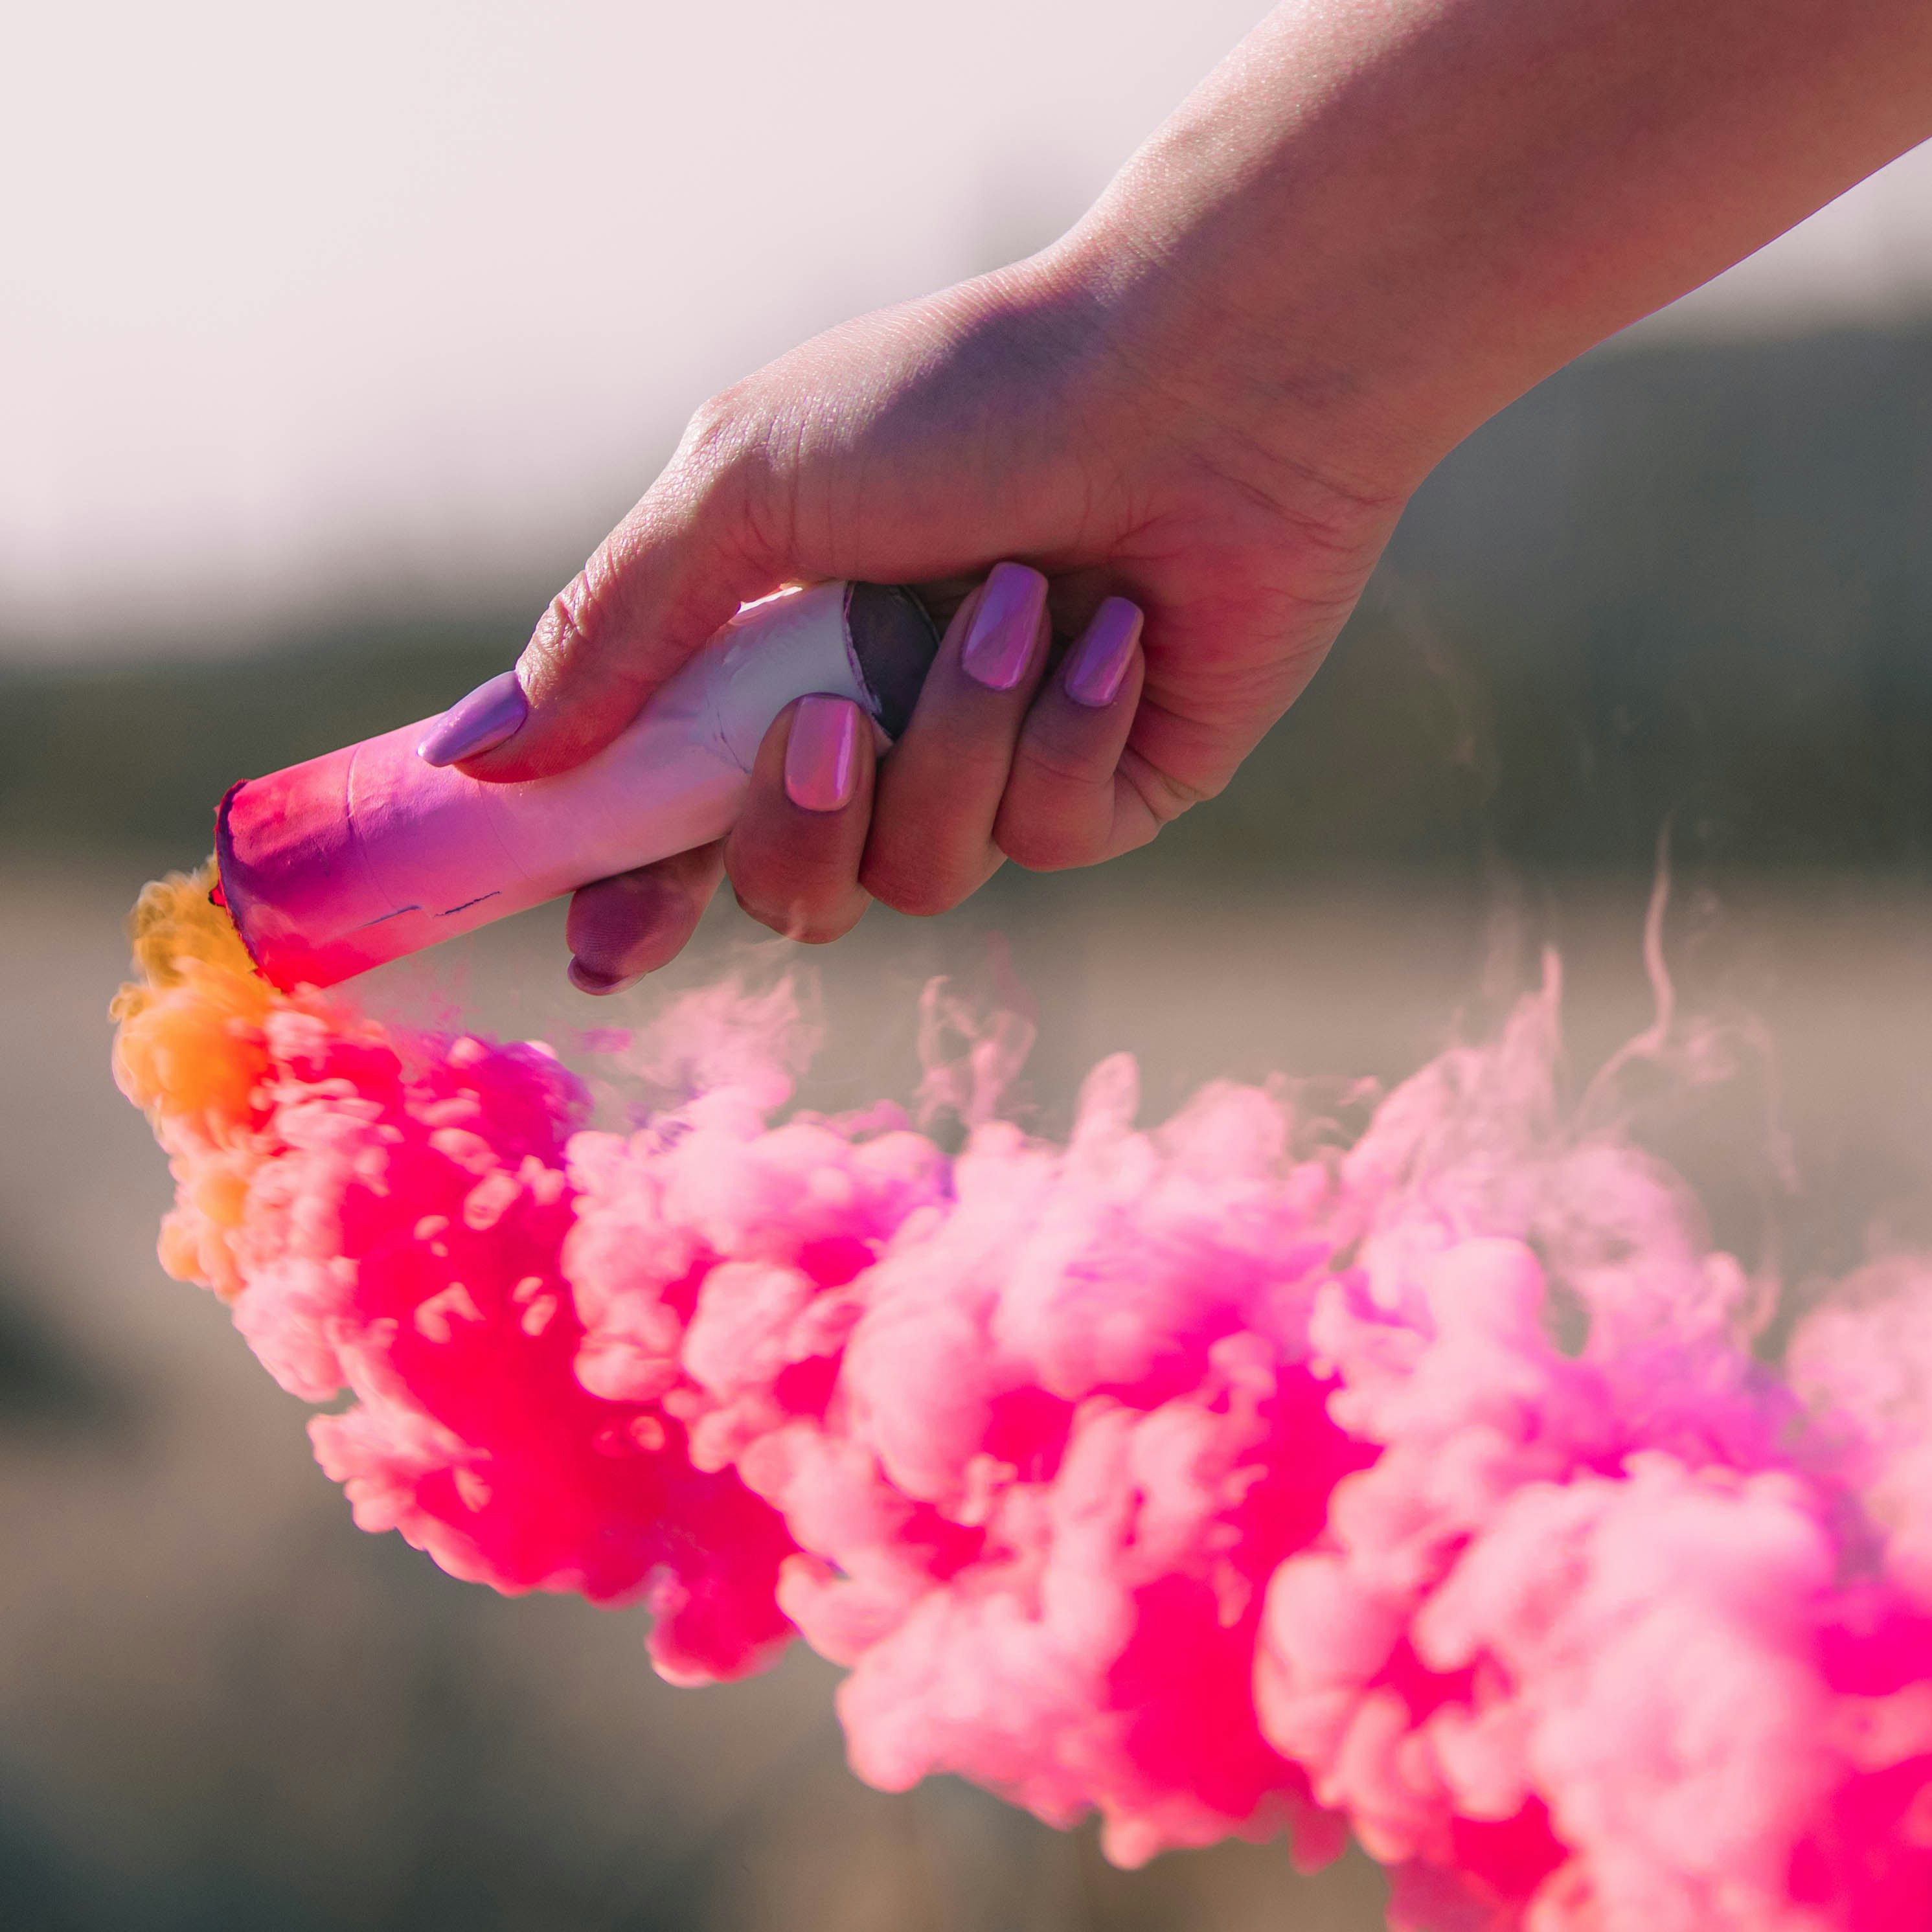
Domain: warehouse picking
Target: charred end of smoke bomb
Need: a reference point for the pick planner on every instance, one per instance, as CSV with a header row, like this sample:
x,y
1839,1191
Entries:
x,y
894,642
232,884
218,888
284,852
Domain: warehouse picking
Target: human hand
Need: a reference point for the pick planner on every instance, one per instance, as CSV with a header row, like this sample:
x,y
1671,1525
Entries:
x,y
1011,423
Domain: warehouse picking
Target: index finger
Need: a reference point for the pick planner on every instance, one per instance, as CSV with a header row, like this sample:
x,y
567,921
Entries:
x,y
652,593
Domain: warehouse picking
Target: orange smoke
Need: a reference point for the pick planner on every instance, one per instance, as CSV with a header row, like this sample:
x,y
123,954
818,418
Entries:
x,y
189,1052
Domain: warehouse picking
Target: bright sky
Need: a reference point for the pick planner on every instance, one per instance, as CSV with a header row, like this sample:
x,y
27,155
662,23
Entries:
x,y
306,307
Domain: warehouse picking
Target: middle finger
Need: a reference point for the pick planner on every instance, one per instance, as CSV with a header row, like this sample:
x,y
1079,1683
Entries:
x,y
938,791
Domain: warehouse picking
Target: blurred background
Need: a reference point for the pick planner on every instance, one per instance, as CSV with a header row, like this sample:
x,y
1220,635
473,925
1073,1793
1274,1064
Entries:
x,y
330,342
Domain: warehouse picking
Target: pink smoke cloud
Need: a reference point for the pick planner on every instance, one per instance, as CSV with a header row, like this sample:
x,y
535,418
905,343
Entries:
x,y
1218,1477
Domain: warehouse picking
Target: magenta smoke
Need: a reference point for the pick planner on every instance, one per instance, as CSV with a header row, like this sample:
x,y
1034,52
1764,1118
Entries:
x,y
1228,1476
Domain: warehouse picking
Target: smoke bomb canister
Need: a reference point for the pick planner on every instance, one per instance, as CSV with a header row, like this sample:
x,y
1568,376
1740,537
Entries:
x,y
336,865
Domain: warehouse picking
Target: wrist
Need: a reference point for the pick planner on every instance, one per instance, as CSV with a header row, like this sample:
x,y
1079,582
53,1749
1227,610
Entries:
x,y
1374,226
1298,416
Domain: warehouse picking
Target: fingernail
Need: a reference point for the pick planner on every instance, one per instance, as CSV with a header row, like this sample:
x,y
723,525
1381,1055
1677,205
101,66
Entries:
x,y
1099,661
588,979
479,723
821,768
999,641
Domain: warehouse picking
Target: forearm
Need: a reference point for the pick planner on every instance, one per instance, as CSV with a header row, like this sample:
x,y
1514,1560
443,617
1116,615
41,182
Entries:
x,y
1381,220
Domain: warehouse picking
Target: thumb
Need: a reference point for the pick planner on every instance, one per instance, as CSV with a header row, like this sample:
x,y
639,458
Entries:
x,y
652,593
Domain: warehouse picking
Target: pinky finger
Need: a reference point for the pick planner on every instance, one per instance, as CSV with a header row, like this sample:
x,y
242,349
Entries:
x,y
1066,802
621,928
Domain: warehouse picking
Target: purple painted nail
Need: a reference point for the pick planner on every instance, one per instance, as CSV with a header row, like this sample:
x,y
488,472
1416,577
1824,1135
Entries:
x,y
1000,643
821,767
479,723
1099,661
588,979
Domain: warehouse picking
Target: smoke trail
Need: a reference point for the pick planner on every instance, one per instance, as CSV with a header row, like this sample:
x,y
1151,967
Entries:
x,y
1211,1478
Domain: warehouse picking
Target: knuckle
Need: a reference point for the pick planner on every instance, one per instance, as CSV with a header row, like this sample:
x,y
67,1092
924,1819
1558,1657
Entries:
x,y
918,892
714,437
580,619
1165,797
809,896
731,472
1047,757
1057,795
808,925
779,919
1047,848
728,439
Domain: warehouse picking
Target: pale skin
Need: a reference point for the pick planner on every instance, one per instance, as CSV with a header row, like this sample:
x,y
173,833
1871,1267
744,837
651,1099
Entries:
x,y
1377,222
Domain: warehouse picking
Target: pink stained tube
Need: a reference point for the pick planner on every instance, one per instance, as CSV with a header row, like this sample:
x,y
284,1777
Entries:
x,y
332,867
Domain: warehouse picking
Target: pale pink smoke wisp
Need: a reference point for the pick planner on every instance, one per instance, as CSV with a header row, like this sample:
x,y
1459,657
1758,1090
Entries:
x,y
1212,1477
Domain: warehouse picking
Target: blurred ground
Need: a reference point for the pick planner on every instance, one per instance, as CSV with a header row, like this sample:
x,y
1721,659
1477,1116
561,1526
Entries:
x,y
1687,586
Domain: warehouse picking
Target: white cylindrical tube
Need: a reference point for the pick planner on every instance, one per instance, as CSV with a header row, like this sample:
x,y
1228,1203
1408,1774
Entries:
x,y
334,866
